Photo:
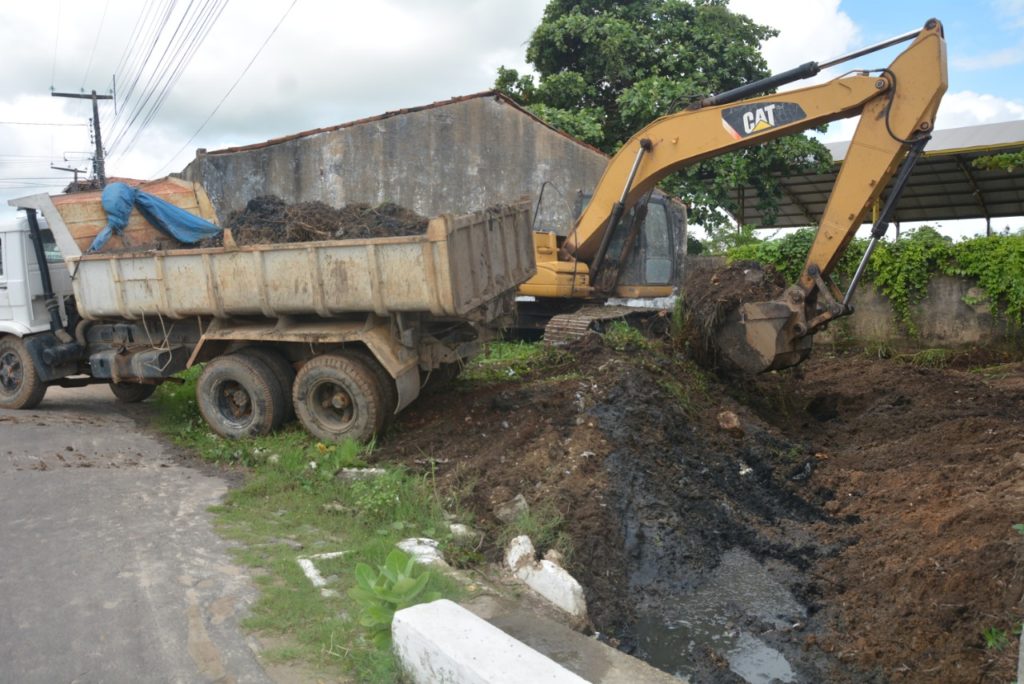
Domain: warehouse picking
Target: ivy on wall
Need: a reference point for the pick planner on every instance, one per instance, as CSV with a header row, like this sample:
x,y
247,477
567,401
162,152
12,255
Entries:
x,y
902,269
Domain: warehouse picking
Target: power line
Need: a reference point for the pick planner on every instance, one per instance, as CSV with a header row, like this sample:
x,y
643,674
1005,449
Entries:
x,y
195,36
37,123
232,88
192,29
56,42
96,42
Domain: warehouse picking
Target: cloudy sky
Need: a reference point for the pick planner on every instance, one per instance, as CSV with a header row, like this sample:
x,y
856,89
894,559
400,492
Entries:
x,y
226,72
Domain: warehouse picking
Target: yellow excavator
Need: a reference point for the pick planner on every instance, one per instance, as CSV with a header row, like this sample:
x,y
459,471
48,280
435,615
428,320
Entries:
x,y
897,106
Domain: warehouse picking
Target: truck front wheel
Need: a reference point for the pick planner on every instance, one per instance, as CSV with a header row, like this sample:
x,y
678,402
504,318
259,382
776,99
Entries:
x,y
20,386
336,397
238,396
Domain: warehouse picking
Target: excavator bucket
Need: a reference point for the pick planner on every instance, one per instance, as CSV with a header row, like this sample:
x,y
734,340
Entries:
x,y
761,336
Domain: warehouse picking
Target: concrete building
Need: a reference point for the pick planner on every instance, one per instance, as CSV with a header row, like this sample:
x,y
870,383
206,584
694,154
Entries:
x,y
455,156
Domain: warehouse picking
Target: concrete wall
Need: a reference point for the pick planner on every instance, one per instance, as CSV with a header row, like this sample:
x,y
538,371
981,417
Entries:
x,y
954,313
457,157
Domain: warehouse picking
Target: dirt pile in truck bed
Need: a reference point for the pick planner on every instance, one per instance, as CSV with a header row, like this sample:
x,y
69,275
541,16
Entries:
x,y
850,520
270,220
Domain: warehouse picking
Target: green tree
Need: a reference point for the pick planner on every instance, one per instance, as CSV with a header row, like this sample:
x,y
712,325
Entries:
x,y
608,68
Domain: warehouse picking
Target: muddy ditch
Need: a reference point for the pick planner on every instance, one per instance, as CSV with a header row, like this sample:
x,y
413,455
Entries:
x,y
849,521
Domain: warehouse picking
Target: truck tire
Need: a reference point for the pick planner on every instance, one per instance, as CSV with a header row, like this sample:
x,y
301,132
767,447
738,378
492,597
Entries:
x,y
131,392
337,397
283,372
385,383
20,386
238,396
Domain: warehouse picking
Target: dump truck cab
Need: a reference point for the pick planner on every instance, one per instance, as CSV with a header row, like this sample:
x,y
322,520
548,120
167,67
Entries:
x,y
22,301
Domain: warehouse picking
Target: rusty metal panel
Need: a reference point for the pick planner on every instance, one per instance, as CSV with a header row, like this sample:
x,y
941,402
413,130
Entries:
x,y
460,264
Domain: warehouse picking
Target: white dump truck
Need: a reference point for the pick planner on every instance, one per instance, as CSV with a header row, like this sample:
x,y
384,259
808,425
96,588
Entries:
x,y
340,333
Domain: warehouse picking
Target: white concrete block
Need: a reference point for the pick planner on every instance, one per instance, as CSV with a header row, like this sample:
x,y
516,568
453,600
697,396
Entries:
x,y
520,552
424,551
443,643
547,578
556,585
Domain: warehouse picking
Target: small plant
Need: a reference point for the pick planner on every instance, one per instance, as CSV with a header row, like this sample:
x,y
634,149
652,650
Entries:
x,y
878,350
932,358
1019,528
621,336
995,639
381,593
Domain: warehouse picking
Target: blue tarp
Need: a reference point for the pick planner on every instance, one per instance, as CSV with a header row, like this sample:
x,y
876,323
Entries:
x,y
118,200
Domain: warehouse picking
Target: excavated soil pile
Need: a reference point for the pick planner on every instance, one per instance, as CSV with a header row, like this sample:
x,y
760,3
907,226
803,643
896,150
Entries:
x,y
712,294
864,506
270,220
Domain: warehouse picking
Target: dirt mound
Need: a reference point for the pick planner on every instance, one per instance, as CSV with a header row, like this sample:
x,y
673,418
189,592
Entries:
x,y
925,473
270,220
873,497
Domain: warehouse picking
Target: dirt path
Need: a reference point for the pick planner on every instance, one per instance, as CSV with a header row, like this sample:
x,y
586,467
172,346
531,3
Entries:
x,y
849,522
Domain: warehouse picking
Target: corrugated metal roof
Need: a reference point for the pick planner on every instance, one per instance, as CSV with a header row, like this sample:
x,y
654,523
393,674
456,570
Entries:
x,y
944,185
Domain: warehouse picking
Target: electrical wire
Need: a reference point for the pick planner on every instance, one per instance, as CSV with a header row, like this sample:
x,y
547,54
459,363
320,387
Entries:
x,y
231,89
197,34
56,42
96,42
179,49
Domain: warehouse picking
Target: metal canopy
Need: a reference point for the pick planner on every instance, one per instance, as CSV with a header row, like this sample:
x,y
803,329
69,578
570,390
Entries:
x,y
944,185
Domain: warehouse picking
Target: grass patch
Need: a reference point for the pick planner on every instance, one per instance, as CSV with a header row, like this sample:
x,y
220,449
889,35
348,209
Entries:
x,y
544,524
930,358
511,361
621,336
291,506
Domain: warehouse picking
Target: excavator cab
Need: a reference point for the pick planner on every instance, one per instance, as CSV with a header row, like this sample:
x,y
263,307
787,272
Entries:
x,y
652,253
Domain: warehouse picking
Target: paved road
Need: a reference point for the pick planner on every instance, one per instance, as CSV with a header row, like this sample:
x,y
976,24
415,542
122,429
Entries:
x,y
109,568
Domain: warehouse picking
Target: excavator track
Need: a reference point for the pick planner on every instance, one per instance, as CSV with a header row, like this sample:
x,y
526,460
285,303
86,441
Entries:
x,y
564,329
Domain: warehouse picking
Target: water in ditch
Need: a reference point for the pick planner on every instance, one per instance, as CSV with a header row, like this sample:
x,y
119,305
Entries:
x,y
728,615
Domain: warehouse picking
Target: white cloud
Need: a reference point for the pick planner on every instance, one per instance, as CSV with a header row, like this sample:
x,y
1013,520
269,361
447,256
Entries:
x,y
813,30
991,60
967,108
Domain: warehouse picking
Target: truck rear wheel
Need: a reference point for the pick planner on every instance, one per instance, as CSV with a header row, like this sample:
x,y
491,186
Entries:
x,y
385,383
20,386
238,396
132,392
337,397
283,372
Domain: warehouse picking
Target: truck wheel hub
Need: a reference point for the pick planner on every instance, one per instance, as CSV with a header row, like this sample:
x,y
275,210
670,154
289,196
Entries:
x,y
10,372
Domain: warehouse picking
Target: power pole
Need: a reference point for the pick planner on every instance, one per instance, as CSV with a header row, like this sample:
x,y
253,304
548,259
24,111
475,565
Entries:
x,y
97,161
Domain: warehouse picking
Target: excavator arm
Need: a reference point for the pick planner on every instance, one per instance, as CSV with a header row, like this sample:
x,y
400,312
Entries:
x,y
897,107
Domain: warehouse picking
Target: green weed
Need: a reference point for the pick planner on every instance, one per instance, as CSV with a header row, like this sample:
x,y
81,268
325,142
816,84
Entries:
x,y
995,639
621,336
931,358
395,585
512,361
544,524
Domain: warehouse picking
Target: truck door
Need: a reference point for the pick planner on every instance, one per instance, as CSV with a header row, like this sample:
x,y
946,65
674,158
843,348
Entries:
x,y
6,312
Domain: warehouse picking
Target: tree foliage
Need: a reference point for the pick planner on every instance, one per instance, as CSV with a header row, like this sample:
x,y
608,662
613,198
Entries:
x,y
606,69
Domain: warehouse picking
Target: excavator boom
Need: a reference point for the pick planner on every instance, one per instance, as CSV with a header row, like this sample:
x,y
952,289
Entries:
x,y
897,107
